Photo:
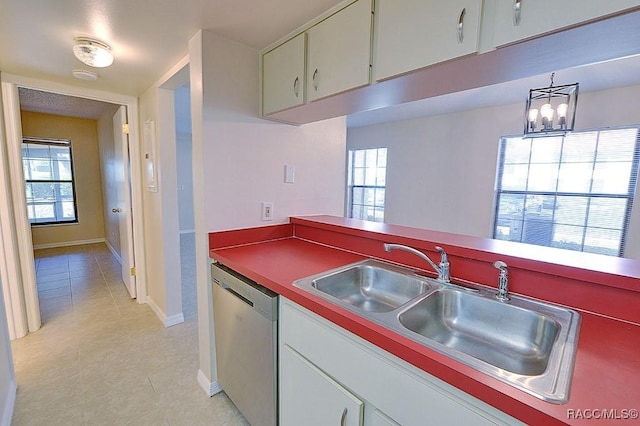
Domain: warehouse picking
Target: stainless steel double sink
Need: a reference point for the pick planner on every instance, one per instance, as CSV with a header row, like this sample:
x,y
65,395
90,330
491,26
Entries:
x,y
523,342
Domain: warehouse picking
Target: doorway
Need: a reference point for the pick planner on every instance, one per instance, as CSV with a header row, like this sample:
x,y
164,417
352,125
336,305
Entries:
x,y
184,167
23,313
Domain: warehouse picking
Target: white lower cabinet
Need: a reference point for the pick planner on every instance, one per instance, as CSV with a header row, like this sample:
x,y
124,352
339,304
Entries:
x,y
380,419
325,369
313,398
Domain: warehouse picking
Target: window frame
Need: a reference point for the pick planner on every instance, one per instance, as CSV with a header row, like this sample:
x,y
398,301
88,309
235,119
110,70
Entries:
x,y
57,143
629,195
351,186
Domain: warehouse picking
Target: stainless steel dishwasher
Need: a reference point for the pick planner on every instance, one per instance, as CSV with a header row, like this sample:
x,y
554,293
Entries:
x,y
245,321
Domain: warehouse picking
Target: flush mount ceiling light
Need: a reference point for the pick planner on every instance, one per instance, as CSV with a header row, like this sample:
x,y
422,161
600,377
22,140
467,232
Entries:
x,y
85,75
551,110
93,52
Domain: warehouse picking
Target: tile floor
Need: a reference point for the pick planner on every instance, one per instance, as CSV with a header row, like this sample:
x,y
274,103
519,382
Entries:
x,y
102,359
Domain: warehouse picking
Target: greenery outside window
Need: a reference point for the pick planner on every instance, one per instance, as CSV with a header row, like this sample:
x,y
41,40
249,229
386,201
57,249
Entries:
x,y
49,184
573,192
367,179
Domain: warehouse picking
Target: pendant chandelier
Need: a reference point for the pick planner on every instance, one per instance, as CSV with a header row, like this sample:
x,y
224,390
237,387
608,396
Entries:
x,y
551,110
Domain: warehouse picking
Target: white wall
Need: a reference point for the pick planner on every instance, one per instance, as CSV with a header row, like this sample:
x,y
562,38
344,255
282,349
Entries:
x,y
160,211
239,160
182,98
83,134
245,156
185,182
441,169
7,374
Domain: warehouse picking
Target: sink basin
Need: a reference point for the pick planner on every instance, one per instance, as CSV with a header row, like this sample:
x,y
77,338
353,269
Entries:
x,y
506,336
526,343
371,287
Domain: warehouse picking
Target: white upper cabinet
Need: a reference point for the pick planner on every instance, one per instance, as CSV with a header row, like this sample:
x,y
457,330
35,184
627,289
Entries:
x,y
283,76
339,51
521,19
412,34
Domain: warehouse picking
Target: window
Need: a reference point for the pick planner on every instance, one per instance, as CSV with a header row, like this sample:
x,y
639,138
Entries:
x,y
48,173
573,192
367,178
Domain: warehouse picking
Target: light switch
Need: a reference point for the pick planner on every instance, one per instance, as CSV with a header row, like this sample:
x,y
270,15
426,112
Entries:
x,y
289,173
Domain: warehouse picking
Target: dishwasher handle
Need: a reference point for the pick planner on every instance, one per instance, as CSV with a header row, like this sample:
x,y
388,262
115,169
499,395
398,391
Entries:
x,y
259,298
235,293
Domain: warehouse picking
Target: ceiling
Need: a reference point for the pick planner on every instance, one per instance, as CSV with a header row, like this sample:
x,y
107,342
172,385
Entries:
x,y
600,76
70,106
147,37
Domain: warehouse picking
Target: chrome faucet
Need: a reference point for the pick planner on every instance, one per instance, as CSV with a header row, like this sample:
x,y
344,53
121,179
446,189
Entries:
x,y
503,283
442,269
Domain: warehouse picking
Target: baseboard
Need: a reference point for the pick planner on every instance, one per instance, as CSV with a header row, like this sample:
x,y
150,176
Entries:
x,y
210,388
9,404
68,243
167,321
113,252
188,231
174,319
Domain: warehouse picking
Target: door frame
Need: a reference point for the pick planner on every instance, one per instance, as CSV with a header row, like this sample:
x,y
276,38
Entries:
x,y
10,85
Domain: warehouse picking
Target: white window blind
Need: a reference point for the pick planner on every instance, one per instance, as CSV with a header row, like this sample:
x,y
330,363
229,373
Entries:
x,y
49,185
367,179
573,192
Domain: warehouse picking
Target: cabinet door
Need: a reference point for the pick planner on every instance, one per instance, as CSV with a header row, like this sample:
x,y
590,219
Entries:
x,y
339,51
283,76
380,419
412,34
520,19
309,397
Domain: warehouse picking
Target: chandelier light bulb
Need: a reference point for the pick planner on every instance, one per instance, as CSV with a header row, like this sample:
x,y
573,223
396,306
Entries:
x,y
533,114
562,115
546,111
562,110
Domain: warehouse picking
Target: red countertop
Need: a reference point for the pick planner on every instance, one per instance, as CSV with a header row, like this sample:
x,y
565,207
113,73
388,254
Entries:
x,y
607,367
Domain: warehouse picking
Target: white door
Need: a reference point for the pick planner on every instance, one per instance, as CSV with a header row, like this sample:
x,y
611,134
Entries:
x,y
123,200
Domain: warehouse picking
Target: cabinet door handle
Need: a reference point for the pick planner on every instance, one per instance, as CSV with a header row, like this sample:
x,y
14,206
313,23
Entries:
x,y
517,6
315,79
296,84
461,25
116,210
343,418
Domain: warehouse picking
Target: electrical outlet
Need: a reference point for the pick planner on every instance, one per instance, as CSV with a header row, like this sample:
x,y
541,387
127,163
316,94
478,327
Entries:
x,y
267,210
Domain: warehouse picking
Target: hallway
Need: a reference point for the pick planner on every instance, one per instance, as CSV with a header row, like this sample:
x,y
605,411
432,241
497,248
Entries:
x,y
102,359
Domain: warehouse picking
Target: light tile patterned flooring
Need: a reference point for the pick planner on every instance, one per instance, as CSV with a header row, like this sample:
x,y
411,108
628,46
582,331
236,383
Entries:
x,y
100,358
